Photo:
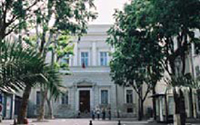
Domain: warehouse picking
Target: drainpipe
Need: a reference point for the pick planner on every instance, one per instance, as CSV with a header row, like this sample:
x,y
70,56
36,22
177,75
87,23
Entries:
x,y
117,100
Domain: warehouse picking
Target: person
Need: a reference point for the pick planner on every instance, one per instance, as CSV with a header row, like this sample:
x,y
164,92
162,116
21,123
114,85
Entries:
x,y
109,113
98,112
93,114
103,114
79,114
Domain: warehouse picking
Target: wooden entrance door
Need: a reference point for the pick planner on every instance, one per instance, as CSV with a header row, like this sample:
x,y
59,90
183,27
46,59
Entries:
x,y
84,101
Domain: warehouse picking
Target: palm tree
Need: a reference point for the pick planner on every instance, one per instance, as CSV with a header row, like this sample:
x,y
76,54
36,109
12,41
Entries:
x,y
22,68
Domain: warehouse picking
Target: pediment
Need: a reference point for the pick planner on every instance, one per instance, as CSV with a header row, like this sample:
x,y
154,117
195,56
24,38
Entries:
x,y
84,81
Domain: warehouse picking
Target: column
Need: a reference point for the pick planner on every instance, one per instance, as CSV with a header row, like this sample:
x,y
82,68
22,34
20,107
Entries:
x,y
94,53
70,60
75,54
112,50
13,107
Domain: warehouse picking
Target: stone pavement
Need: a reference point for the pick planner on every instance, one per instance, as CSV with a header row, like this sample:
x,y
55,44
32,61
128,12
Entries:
x,y
77,122
85,122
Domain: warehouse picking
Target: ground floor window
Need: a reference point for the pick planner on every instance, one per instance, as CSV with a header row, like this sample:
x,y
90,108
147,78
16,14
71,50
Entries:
x,y
129,110
64,99
129,96
38,98
170,104
104,96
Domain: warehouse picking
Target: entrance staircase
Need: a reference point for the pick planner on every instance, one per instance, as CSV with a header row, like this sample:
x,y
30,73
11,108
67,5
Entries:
x,y
85,115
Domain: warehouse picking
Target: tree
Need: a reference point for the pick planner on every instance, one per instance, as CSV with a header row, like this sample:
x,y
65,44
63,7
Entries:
x,y
14,14
61,50
56,17
137,60
23,68
52,17
175,26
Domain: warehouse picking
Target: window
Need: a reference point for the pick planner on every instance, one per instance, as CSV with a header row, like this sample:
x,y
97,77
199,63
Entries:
x,y
38,98
129,96
103,58
170,105
104,96
65,59
84,58
197,71
65,98
129,110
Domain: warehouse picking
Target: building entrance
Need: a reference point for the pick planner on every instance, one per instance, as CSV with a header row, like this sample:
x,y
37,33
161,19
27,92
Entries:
x,y
84,101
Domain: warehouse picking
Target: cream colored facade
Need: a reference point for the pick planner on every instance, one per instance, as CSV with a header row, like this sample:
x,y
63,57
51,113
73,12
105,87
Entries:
x,y
192,66
94,80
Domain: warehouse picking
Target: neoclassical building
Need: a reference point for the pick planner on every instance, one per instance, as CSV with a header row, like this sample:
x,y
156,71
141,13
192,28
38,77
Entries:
x,y
89,85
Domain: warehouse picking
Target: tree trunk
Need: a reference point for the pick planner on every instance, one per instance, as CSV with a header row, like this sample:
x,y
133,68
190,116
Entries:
x,y
182,107
140,106
154,104
180,115
24,105
49,100
42,105
140,110
177,108
49,104
191,103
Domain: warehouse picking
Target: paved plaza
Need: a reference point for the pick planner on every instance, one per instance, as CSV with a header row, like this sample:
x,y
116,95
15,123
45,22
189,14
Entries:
x,y
86,122
78,122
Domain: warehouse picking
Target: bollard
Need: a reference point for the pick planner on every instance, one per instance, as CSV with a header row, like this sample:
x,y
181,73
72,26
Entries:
x,y
119,122
90,122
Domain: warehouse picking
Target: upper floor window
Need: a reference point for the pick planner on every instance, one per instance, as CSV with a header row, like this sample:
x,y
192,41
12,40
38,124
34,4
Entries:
x,y
65,98
84,58
104,96
103,58
129,96
38,98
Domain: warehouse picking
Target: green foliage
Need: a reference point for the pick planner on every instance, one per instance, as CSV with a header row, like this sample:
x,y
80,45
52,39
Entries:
x,y
177,22
137,59
181,81
20,66
14,15
63,46
174,16
70,16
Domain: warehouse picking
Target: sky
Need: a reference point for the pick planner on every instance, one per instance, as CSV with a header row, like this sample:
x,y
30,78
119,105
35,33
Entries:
x,y
105,9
